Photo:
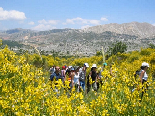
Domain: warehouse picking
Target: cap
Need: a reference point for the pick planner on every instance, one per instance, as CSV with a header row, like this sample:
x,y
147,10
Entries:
x,y
105,64
86,64
70,67
63,67
145,64
94,65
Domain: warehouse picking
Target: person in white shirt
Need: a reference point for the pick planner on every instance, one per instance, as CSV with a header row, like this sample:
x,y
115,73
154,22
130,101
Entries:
x,y
76,78
143,77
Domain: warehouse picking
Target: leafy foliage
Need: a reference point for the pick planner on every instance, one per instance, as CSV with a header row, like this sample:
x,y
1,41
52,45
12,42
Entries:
x,y
11,43
117,47
152,46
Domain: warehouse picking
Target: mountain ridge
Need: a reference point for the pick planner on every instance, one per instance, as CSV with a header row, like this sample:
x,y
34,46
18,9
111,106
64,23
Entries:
x,y
142,30
85,41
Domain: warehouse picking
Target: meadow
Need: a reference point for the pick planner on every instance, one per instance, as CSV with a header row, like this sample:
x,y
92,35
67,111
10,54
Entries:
x,y
25,89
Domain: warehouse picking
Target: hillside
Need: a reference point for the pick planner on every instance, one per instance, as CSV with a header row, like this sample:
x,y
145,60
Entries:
x,y
142,30
85,41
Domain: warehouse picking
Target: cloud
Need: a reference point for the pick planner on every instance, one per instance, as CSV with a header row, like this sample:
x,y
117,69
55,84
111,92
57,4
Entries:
x,y
153,24
12,14
77,20
42,27
70,21
86,26
81,21
94,22
45,25
104,19
51,22
31,23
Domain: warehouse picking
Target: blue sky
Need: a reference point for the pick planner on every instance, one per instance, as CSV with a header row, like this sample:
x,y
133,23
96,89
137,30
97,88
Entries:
x,y
77,14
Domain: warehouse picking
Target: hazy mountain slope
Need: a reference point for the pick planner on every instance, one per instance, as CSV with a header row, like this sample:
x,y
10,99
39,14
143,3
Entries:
x,y
142,30
85,41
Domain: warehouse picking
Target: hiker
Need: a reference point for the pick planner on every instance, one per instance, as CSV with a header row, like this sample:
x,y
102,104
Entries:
x,y
63,71
99,77
93,75
67,74
72,73
52,69
82,75
104,65
76,78
144,77
56,74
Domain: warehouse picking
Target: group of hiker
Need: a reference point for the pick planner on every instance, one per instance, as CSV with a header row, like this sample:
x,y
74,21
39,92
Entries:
x,y
76,75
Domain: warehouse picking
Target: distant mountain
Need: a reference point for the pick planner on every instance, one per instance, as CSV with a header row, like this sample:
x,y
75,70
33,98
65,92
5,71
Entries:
x,y
142,30
53,31
17,30
85,41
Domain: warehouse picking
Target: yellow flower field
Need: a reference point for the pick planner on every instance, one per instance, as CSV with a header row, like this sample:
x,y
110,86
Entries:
x,y
25,90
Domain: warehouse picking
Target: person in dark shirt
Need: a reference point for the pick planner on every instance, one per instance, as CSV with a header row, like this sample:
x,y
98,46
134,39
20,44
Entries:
x,y
56,74
67,74
93,75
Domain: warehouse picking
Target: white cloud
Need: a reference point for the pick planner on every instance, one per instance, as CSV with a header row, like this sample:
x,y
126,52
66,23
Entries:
x,y
104,19
12,14
70,21
42,21
94,22
31,23
42,27
153,24
81,21
45,25
77,20
86,26
52,22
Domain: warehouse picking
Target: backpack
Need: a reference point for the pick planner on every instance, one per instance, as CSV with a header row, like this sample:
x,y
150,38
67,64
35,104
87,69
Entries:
x,y
137,73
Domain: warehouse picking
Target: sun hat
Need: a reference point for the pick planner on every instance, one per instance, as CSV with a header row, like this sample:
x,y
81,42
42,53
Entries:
x,y
94,65
63,67
69,66
86,64
145,64
105,64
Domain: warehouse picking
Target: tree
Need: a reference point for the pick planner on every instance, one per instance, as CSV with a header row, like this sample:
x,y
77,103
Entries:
x,y
98,53
152,46
117,47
